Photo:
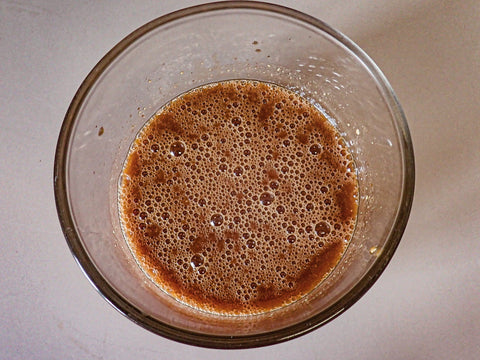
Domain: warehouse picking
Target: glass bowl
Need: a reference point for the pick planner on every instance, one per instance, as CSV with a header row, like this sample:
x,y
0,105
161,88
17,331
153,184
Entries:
x,y
209,43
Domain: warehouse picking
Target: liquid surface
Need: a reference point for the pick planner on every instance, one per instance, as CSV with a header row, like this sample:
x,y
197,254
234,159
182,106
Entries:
x,y
238,197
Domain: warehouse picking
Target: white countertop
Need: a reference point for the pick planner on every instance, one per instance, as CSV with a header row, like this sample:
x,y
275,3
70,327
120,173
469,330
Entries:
x,y
426,305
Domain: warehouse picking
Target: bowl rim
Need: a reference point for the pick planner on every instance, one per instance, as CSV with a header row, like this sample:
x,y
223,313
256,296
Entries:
x,y
219,341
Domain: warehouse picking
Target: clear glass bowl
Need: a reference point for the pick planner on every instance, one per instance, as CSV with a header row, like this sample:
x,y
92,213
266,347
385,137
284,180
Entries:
x,y
204,44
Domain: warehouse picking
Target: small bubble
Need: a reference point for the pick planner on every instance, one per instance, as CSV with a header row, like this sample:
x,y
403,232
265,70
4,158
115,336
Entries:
x,y
223,167
202,270
315,149
274,185
196,261
309,207
165,216
177,148
216,220
291,238
322,229
236,121
267,198
251,244
238,171
154,148
143,215
350,167
280,209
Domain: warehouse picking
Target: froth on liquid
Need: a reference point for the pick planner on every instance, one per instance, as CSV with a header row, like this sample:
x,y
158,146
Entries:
x,y
238,197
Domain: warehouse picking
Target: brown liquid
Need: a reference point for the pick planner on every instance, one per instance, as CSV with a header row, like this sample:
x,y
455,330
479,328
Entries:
x,y
238,197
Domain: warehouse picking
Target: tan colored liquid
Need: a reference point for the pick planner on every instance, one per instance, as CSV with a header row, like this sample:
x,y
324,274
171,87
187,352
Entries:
x,y
238,197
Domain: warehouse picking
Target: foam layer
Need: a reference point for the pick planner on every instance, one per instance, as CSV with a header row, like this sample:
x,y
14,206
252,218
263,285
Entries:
x,y
238,197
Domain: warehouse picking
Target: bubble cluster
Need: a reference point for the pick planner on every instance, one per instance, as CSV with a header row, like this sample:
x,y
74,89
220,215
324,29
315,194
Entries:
x,y
238,197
